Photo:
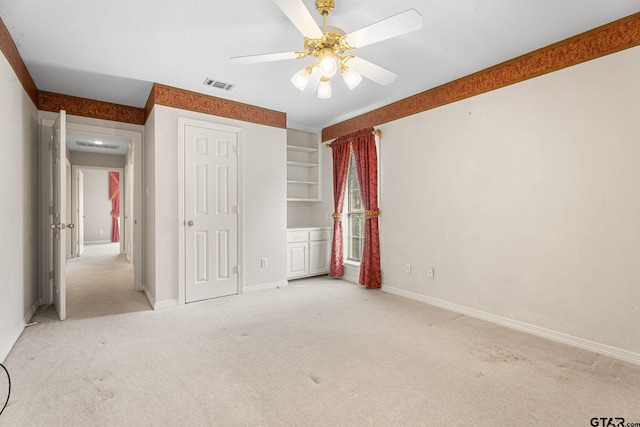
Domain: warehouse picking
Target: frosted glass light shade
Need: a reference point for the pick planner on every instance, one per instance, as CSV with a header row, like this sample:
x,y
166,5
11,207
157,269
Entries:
x,y
324,89
328,66
351,78
301,79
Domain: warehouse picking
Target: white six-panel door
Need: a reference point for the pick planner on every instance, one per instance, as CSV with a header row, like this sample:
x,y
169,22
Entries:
x,y
211,213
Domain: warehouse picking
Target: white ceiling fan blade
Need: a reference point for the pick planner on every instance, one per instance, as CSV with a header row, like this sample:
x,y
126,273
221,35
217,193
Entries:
x,y
394,26
267,57
371,71
299,15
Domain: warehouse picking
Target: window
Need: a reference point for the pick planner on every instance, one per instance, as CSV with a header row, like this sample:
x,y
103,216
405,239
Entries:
x,y
354,234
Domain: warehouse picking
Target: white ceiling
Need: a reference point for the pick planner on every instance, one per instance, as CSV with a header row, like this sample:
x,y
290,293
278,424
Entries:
x,y
114,50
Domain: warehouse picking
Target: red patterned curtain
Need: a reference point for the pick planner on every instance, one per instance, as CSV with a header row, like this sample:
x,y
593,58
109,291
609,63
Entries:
x,y
366,158
114,196
341,151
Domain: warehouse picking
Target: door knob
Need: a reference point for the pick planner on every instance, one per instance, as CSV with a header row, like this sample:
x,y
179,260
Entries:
x,y
62,226
190,223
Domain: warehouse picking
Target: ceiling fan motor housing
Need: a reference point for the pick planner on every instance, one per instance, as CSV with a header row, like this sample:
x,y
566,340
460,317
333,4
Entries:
x,y
324,7
331,40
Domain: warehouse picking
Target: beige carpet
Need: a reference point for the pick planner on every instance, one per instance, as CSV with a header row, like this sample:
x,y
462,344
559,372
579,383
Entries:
x,y
100,283
319,353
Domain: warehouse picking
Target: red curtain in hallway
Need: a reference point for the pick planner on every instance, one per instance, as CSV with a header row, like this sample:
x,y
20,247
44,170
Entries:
x,y
366,157
341,152
114,196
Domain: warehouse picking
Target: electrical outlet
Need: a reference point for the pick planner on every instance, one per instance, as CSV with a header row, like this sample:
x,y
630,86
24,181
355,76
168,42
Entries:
x,y
263,263
407,268
430,273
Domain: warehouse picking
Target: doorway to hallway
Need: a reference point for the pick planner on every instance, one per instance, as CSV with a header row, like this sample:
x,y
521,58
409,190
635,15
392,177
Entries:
x,y
95,147
100,283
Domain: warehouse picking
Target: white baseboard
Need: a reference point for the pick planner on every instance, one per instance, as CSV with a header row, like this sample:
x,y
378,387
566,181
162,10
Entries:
x,y
31,312
161,305
150,296
265,286
351,273
158,305
13,338
604,349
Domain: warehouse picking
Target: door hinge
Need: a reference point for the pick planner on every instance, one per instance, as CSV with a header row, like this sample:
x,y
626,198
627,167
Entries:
x,y
51,275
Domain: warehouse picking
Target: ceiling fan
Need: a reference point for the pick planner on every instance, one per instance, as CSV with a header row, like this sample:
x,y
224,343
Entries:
x,y
330,45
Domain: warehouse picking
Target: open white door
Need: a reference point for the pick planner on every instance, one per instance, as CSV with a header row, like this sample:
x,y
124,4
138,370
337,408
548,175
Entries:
x,y
80,222
59,224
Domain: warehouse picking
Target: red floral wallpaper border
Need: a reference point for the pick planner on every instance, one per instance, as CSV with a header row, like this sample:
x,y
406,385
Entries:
x,y
8,47
48,101
193,101
613,37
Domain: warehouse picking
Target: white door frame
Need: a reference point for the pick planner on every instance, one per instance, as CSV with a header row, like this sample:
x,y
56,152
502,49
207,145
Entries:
x,y
46,295
78,201
59,198
182,122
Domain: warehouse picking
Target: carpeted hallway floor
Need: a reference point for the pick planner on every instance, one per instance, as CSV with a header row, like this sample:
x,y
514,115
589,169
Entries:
x,y
321,352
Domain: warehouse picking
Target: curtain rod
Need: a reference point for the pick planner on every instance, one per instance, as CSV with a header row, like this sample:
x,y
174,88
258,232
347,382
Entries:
x,y
377,132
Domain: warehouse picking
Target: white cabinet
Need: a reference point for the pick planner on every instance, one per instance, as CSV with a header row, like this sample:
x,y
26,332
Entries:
x,y
303,166
308,252
297,257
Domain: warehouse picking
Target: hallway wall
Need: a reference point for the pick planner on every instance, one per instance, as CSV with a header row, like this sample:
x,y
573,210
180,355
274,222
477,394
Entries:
x,y
97,206
19,296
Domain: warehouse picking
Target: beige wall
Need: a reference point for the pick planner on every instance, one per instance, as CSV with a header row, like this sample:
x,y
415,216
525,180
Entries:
x,y
263,201
99,160
525,200
98,222
19,227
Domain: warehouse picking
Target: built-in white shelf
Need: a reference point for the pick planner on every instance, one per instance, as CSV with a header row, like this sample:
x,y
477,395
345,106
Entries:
x,y
302,182
302,149
303,166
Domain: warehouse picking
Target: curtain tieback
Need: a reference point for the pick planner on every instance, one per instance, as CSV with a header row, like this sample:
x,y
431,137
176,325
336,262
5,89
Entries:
x,y
337,216
371,214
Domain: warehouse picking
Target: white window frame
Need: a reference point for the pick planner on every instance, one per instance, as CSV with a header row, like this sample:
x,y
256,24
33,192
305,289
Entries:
x,y
346,232
349,212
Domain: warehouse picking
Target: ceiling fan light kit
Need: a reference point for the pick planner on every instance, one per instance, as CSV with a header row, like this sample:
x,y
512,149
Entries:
x,y
330,44
351,78
301,78
324,88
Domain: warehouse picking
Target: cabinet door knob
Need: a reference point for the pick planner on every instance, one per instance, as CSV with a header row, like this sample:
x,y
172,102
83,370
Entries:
x,y
190,223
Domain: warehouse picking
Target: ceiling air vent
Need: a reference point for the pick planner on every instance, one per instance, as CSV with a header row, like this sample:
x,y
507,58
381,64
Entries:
x,y
218,84
91,144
